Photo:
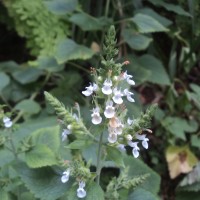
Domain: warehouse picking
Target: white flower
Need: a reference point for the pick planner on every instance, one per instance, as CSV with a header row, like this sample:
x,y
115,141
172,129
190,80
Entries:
x,y
81,193
112,137
7,122
128,95
65,176
65,133
89,90
117,98
121,147
96,118
119,128
106,89
129,121
128,78
144,140
129,137
110,110
135,150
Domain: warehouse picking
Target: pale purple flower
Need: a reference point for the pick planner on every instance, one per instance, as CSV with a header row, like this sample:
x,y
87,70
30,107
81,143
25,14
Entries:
x,y
144,140
128,95
90,89
106,89
96,118
128,78
7,122
110,110
112,137
121,147
65,133
117,98
81,193
135,150
65,176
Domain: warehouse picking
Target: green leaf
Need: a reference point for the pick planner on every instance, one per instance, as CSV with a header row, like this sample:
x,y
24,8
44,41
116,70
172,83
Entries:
x,y
87,22
136,41
44,183
69,50
137,167
4,195
170,7
158,72
49,64
141,194
40,156
162,20
4,80
79,144
187,195
115,155
147,24
61,7
28,106
49,136
5,157
195,141
27,196
178,126
27,75
94,192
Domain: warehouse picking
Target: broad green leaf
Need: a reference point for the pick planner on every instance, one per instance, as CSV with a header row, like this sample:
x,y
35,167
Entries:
x,y
195,141
27,196
69,50
44,183
147,24
142,194
162,20
79,144
94,192
26,75
113,154
87,22
49,136
5,157
40,156
48,63
154,65
28,106
4,195
137,167
180,160
136,41
9,66
4,80
178,126
170,7
61,7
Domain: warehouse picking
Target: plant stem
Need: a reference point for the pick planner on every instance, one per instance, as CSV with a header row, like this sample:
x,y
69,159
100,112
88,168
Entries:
x,y
99,159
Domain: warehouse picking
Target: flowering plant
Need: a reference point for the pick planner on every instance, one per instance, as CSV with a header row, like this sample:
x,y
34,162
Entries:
x,y
113,132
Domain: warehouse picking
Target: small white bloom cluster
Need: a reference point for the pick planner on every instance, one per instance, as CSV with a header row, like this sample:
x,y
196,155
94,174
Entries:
x,y
7,122
111,89
81,193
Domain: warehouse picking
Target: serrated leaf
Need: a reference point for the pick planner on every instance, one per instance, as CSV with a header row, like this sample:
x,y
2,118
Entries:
x,y
40,156
79,144
180,160
49,136
137,167
141,194
28,106
5,157
94,192
170,7
26,75
61,7
178,126
69,50
4,80
44,183
136,41
115,155
147,24
87,22
154,65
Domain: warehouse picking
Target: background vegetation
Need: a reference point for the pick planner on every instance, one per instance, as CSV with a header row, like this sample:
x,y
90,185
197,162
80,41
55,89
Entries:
x,y
51,45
